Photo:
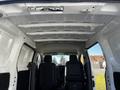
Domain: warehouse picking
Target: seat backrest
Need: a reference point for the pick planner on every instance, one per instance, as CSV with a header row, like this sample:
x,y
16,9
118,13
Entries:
x,y
47,73
74,69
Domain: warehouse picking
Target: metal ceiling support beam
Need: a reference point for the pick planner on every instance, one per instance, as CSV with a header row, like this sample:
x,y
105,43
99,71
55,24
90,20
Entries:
x,y
47,40
59,24
59,32
67,4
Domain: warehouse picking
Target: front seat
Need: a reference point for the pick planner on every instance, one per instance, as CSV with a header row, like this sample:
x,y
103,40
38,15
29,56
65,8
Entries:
x,y
74,74
47,74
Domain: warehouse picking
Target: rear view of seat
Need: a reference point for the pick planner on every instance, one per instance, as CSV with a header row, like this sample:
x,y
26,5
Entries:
x,y
61,76
47,74
75,74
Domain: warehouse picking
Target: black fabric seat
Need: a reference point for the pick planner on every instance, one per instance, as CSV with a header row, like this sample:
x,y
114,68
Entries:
x,y
47,74
75,74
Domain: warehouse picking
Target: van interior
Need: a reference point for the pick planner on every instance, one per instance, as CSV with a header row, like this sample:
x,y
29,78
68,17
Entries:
x,y
42,43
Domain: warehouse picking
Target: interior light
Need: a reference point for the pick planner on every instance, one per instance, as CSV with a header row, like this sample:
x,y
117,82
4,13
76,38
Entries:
x,y
45,9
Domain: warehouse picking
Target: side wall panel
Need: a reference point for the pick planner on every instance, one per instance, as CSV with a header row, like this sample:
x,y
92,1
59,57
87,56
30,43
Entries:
x,y
18,39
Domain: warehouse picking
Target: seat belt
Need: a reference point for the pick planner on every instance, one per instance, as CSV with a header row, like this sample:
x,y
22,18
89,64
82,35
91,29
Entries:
x,y
32,78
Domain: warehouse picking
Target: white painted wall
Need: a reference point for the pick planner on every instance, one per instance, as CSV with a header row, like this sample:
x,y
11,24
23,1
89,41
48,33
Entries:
x,y
13,41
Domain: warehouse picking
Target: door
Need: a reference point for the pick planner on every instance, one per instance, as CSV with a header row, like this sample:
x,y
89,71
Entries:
x,y
98,64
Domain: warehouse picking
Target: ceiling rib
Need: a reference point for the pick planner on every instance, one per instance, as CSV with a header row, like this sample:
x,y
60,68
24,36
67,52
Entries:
x,y
67,4
51,33
59,24
47,40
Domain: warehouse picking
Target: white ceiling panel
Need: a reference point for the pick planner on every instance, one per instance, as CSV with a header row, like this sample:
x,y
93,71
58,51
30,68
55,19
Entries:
x,y
77,21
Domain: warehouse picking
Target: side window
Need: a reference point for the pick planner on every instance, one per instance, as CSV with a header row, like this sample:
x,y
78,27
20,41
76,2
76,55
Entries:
x,y
98,64
6,44
25,57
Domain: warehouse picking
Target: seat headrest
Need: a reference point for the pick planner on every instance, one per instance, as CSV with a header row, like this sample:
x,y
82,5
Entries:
x,y
48,59
73,58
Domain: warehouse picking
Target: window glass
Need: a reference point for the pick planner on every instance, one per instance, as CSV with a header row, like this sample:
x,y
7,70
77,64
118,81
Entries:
x,y
6,44
60,59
